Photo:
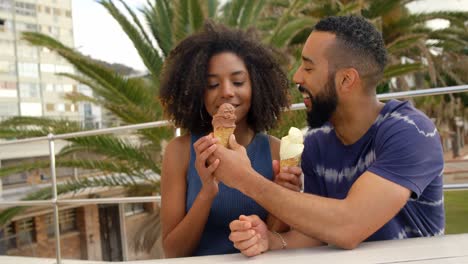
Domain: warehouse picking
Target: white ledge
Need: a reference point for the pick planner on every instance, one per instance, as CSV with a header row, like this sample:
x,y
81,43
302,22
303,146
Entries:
x,y
441,249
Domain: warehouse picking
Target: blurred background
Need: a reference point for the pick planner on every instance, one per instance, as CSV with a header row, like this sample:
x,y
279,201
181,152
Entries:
x,y
76,65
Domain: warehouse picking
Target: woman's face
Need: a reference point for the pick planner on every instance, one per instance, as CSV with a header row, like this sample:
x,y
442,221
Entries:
x,y
228,82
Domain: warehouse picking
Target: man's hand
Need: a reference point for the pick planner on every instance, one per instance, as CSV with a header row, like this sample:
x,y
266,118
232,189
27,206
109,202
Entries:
x,y
249,235
234,164
288,177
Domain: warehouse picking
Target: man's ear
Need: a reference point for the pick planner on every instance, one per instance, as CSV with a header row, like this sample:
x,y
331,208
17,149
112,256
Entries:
x,y
346,79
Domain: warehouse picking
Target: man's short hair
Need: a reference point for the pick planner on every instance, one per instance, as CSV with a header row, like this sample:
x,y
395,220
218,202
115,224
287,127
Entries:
x,y
358,45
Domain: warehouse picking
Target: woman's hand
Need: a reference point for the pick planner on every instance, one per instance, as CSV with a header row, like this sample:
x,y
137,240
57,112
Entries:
x,y
288,177
204,148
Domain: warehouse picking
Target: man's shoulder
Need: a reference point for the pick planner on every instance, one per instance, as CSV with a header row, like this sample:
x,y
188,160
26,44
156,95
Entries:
x,y
401,115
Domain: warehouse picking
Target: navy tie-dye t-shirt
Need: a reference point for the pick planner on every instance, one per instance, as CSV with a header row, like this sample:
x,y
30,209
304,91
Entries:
x,y
402,146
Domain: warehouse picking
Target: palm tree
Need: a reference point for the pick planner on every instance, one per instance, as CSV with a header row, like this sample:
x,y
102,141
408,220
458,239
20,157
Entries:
x,y
132,100
283,24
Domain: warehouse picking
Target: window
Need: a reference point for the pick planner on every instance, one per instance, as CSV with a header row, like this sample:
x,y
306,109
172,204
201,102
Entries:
x,y
26,27
7,48
9,236
49,107
6,5
60,107
58,88
134,208
54,31
64,68
31,109
57,12
8,89
48,87
28,70
5,25
25,231
67,222
7,67
47,10
67,88
25,9
45,67
8,109
28,52
68,13
29,90
70,107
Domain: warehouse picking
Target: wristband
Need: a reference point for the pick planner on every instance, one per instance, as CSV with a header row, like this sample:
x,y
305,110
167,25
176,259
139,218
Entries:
x,y
283,242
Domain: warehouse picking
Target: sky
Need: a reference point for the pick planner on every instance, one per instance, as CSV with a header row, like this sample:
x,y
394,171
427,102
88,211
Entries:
x,y
104,39
97,34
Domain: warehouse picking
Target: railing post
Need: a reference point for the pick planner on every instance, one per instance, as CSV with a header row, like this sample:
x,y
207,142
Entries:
x,y
54,197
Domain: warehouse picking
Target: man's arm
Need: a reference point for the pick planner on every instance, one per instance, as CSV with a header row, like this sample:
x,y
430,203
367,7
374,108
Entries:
x,y
371,202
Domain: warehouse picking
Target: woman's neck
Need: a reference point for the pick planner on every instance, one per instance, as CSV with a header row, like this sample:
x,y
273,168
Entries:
x,y
244,134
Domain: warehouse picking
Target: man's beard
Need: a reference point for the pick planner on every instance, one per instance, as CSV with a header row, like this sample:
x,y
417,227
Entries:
x,y
323,104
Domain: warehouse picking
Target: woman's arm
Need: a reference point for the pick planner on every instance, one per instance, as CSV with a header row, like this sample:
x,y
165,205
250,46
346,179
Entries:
x,y
273,222
181,232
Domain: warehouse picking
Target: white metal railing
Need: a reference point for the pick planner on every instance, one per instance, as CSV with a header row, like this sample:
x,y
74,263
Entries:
x,y
55,202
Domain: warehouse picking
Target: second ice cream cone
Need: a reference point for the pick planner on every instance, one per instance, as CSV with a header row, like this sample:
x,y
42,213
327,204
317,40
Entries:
x,y
291,162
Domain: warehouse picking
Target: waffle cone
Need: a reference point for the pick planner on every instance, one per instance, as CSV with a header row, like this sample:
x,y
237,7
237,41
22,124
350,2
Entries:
x,y
223,134
291,162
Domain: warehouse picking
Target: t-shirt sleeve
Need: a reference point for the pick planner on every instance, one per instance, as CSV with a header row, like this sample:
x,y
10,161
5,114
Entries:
x,y
408,152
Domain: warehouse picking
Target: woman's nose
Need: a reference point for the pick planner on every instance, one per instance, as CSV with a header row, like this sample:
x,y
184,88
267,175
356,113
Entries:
x,y
227,90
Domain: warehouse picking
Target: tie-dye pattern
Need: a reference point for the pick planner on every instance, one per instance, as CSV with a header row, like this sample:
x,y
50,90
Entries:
x,y
402,146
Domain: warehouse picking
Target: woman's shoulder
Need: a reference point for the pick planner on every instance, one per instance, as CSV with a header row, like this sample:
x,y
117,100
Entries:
x,y
274,147
180,141
179,145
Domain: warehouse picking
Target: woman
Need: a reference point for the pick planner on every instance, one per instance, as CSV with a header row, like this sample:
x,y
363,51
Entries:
x,y
215,66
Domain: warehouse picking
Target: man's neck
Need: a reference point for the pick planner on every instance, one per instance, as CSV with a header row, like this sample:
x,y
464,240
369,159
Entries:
x,y
352,120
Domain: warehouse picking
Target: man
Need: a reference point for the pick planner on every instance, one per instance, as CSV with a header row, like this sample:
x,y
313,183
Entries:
x,y
372,171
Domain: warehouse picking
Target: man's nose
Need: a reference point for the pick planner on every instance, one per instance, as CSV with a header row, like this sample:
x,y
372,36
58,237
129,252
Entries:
x,y
297,77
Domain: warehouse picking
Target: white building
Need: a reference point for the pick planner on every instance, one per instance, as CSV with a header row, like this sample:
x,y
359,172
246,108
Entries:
x,y
28,84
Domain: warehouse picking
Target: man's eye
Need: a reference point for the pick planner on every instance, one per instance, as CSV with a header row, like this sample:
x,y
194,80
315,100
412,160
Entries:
x,y
307,69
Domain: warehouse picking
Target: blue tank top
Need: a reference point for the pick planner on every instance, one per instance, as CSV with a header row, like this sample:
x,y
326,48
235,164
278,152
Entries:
x,y
229,204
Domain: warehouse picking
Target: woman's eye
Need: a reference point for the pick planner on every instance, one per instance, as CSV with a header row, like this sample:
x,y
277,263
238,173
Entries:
x,y
238,83
212,85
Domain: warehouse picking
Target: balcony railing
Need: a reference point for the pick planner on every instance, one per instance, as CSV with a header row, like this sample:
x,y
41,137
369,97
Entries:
x,y
55,201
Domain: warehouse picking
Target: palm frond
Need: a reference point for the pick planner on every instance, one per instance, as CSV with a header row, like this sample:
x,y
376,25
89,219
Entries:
x,y
25,127
196,16
290,29
181,19
148,54
158,18
405,42
402,69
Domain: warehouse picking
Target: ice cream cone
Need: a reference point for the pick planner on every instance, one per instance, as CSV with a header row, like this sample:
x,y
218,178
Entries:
x,y
223,134
224,123
291,162
291,148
